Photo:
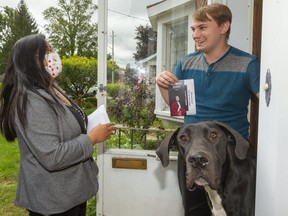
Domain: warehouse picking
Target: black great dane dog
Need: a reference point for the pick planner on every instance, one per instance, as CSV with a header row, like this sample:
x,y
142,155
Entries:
x,y
218,159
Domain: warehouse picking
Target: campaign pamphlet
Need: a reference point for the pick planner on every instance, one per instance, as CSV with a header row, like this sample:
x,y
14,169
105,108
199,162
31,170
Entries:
x,y
99,116
182,98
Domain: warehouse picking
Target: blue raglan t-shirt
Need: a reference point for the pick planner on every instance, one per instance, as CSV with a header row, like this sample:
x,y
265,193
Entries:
x,y
223,88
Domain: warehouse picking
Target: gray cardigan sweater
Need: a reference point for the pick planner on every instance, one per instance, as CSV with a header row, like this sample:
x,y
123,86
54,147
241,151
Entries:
x,y
57,171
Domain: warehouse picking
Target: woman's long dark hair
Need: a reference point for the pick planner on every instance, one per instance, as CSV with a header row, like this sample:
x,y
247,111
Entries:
x,y
25,72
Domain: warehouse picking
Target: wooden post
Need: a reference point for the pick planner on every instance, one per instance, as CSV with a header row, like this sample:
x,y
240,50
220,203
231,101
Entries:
x,y
256,50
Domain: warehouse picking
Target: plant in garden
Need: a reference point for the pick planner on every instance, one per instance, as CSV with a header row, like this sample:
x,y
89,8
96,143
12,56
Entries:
x,y
132,104
78,75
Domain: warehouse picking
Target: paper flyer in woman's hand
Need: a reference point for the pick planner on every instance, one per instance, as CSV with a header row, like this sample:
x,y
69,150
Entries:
x,y
99,116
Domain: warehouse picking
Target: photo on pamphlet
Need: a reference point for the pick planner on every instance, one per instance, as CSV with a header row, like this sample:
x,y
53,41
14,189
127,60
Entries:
x,y
182,98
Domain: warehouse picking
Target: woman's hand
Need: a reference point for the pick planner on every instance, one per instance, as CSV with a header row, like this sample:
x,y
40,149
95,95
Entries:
x,y
165,79
101,132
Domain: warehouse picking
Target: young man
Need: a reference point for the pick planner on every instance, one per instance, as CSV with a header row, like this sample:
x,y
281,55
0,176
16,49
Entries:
x,y
224,79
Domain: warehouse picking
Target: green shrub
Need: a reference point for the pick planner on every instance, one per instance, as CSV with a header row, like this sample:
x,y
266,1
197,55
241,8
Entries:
x,y
113,89
91,207
132,106
89,102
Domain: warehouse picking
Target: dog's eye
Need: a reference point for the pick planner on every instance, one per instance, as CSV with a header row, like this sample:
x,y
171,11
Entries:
x,y
183,138
213,135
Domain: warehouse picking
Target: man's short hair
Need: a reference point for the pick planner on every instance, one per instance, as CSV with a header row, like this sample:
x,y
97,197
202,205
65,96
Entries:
x,y
220,13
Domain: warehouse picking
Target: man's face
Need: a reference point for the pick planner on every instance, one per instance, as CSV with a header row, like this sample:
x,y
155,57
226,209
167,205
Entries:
x,y
208,35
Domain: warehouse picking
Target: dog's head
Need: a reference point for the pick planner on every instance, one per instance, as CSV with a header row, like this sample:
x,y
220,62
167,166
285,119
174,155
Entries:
x,y
203,146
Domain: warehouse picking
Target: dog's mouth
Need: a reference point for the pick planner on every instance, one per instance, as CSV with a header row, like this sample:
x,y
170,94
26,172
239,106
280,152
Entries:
x,y
199,181
201,177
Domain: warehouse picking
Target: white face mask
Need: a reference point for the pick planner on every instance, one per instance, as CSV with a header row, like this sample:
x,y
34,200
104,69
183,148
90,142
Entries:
x,y
54,65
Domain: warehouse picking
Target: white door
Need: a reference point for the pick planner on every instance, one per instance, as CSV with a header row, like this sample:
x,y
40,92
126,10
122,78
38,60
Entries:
x,y
152,190
124,190
272,161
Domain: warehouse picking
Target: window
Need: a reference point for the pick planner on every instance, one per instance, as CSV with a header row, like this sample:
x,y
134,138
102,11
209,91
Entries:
x,y
177,36
172,20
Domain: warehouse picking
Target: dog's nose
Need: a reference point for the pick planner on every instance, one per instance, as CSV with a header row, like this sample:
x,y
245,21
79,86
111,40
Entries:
x,y
198,160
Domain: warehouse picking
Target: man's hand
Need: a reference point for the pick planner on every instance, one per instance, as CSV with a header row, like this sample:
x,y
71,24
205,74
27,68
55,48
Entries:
x,y
165,79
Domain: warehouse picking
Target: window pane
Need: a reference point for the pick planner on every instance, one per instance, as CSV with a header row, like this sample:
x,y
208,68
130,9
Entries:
x,y
178,34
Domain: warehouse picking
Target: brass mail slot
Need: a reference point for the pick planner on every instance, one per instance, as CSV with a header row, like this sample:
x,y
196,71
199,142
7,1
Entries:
x,y
129,163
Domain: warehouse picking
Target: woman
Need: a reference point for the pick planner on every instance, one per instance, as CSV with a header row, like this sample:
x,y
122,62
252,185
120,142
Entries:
x,y
57,172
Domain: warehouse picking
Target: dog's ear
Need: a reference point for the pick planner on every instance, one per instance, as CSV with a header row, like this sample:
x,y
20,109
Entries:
x,y
242,145
163,150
